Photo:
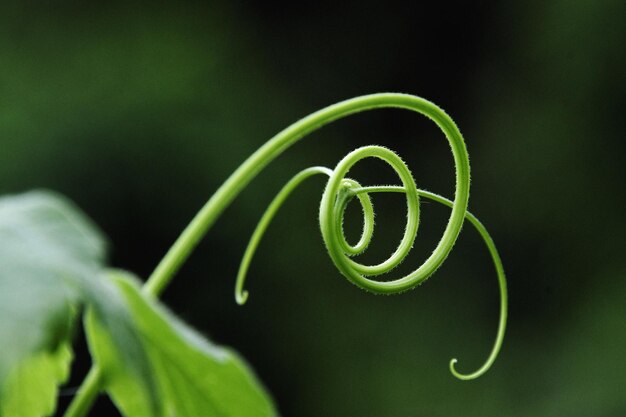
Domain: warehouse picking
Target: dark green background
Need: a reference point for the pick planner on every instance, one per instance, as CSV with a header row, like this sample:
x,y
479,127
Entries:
x,y
138,112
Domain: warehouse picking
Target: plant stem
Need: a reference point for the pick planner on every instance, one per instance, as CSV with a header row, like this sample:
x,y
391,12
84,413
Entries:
x,y
86,395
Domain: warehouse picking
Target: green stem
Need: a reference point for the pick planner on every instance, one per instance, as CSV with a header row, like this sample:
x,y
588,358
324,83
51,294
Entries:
x,y
86,395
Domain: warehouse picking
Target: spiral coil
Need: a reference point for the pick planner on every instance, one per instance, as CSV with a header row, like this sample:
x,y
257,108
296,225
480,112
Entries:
x,y
339,191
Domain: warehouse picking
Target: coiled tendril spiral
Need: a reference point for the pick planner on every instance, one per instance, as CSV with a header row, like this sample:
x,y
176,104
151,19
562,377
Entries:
x,y
338,192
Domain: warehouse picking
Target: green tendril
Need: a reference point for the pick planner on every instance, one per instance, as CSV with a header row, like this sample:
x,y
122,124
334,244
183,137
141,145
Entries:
x,y
240,295
339,192
497,263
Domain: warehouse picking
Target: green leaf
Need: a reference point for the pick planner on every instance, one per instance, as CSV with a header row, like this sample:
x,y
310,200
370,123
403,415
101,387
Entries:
x,y
48,252
31,388
191,376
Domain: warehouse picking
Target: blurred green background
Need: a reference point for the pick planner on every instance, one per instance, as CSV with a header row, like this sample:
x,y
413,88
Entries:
x,y
139,112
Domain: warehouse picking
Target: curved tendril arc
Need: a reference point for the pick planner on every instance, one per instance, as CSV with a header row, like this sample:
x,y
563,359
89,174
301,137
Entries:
x,y
339,191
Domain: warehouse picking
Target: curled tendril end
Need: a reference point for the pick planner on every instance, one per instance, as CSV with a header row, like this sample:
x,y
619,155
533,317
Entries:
x,y
241,297
465,377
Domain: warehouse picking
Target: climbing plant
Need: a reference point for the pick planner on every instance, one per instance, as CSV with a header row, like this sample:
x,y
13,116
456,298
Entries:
x,y
53,272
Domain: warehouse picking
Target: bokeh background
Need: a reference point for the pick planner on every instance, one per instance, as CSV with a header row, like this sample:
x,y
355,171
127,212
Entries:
x,y
138,112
